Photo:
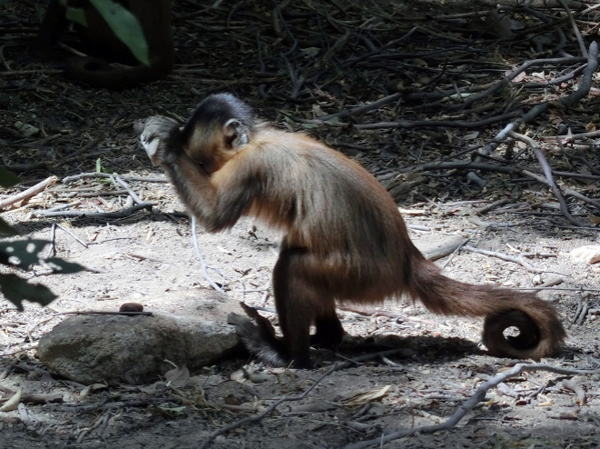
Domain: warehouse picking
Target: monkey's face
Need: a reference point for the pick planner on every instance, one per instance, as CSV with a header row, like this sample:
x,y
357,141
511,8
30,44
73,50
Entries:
x,y
212,145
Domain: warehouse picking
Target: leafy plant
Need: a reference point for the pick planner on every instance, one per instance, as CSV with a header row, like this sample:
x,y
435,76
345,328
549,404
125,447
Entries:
x,y
121,21
24,254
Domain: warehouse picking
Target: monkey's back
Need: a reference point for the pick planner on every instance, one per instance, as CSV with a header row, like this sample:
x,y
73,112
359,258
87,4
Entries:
x,y
328,204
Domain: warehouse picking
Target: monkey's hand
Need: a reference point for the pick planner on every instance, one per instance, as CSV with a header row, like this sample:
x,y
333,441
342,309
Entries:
x,y
160,137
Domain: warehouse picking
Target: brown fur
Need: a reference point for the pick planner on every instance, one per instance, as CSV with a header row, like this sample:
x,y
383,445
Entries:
x,y
155,19
345,239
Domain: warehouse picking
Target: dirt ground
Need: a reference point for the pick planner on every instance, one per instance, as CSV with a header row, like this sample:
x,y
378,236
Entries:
x,y
73,129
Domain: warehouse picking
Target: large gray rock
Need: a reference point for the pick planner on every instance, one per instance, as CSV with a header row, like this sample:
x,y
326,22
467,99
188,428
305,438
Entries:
x,y
187,328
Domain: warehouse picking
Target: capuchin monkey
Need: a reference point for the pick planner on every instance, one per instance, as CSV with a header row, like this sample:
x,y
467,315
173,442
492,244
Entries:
x,y
344,240
106,48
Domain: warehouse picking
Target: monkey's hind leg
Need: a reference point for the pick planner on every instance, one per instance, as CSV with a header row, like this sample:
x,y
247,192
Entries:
x,y
330,332
302,298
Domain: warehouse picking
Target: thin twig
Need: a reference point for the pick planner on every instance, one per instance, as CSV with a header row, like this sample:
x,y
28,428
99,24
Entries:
x,y
470,403
566,139
566,190
70,179
254,418
205,267
87,214
105,312
485,209
582,48
53,238
549,178
116,179
520,260
588,78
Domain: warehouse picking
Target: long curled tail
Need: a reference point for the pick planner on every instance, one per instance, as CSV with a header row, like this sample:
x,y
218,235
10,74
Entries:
x,y
541,333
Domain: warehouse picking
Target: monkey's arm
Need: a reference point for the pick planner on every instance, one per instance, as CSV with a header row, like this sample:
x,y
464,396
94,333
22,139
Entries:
x,y
217,201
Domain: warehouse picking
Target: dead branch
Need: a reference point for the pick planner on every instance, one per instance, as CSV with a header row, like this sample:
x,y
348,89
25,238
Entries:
x,y
255,418
405,124
506,80
567,191
116,179
470,403
485,209
87,214
34,398
581,313
92,143
576,31
566,139
361,109
31,191
105,312
516,259
564,174
73,178
539,109
588,76
53,237
470,166
549,179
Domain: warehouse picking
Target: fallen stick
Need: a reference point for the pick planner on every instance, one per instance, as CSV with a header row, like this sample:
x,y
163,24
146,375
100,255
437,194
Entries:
x,y
292,398
87,214
469,404
31,191
516,259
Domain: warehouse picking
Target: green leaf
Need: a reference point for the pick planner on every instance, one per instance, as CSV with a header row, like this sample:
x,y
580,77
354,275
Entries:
x,y
7,178
125,26
16,290
311,51
62,266
6,229
333,121
26,252
76,15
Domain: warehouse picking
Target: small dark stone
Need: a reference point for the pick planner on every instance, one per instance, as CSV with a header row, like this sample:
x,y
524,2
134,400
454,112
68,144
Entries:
x,y
131,307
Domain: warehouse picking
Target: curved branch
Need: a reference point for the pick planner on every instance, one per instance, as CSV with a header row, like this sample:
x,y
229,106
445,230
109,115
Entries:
x,y
588,74
469,404
549,178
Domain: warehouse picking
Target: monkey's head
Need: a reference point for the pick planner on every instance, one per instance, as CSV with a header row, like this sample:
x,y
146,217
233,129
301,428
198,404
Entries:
x,y
220,126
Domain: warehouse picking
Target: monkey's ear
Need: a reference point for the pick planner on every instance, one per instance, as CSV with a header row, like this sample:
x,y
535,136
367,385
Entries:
x,y
236,134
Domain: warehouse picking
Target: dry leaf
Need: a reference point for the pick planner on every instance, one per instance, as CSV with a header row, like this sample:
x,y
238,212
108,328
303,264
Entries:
x,y
572,385
258,378
367,396
178,377
151,389
594,218
589,254
238,375
12,403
